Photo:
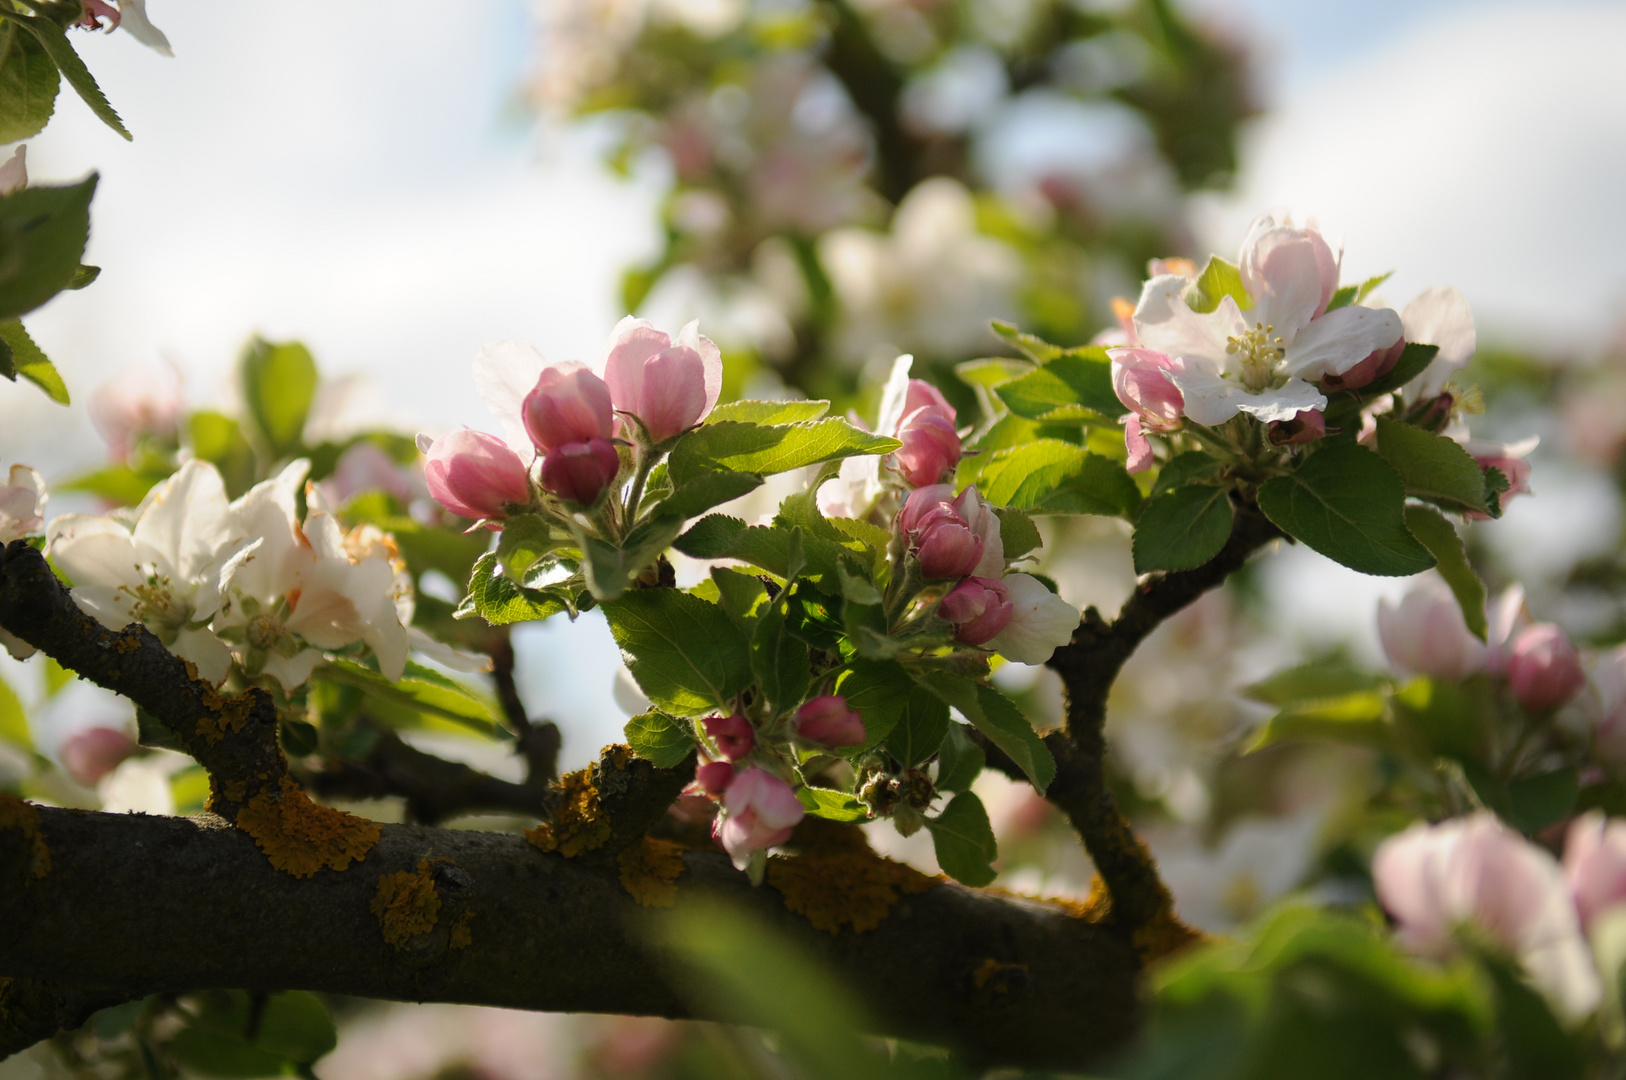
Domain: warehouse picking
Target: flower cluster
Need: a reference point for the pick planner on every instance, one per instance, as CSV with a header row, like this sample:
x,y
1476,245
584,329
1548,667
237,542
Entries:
x,y
1475,874
247,581
564,422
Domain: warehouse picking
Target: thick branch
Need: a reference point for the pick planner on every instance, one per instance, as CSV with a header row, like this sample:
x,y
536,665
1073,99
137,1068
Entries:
x,y
1088,666
139,904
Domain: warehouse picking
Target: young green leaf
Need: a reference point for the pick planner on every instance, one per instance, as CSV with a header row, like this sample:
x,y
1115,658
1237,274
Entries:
x,y
717,536
1017,532
1190,467
419,690
659,738
731,446
779,659
991,372
997,717
1433,467
880,691
279,384
964,840
1354,294
1047,476
1182,529
56,45
1440,537
959,762
686,655
706,491
43,231
832,805
28,84
1359,718
20,356
1348,504
13,720
500,600
768,412
1315,681
1034,348
1218,280
1074,386
922,724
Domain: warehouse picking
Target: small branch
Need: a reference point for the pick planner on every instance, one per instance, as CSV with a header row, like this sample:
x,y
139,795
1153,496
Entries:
x,y
539,741
1088,666
36,1009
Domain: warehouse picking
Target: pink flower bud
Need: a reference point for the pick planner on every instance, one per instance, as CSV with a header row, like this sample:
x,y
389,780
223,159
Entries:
x,y
828,721
579,471
714,777
1543,668
941,538
931,446
983,522
1307,425
89,755
1595,865
733,735
920,394
1509,459
669,386
979,608
1426,635
475,475
569,404
759,811
1139,381
1377,364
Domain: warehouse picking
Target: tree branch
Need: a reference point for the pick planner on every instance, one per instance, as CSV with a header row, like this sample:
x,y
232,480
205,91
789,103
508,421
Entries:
x,y
137,905
1088,666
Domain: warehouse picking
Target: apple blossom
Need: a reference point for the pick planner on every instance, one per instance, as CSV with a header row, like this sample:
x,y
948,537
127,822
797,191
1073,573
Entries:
x,y
1543,668
980,517
1308,426
1374,367
1426,635
759,811
1040,621
139,400
22,504
1507,458
569,404
14,173
979,608
827,720
1263,363
475,475
931,446
365,466
941,538
733,735
668,385
1140,379
1595,865
714,776
1439,316
1434,879
165,572
580,471
91,754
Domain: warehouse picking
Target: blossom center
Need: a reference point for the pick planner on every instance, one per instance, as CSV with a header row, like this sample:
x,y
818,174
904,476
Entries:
x,y
152,601
264,631
1259,351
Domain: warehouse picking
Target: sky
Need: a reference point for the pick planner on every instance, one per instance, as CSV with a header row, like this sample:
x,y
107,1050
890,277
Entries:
x,y
363,179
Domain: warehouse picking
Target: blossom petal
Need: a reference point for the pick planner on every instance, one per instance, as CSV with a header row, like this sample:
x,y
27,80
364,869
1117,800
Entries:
x,y
894,395
1166,323
1041,622
504,372
1281,269
133,20
293,671
187,518
710,355
207,653
1339,340
1439,316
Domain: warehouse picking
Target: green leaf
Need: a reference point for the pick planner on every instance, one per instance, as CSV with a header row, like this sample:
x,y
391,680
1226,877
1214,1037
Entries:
x,y
1536,802
991,372
524,539
1354,294
1359,717
500,600
219,440
226,1057
1017,533
1315,681
84,276
959,762
1034,348
1535,1042
19,353
656,737
686,655
704,492
1348,504
418,690
13,720
779,659
755,448
28,85
831,805
717,536
1182,529
56,45
1218,280
964,840
1048,476
43,231
1074,386
610,569
880,691
296,1025
1433,467
739,594
768,412
1445,718
279,383
1437,534
1414,358
1191,467
291,1029
998,718
921,727
118,484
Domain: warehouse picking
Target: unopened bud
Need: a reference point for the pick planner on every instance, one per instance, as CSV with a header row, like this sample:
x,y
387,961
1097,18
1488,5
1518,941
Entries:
x,y
475,475
828,721
1543,668
580,471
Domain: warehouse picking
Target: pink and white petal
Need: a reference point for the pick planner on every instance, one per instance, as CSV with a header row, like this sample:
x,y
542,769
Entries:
x,y
1282,272
293,671
187,517
21,476
1166,324
1439,316
1041,622
1339,340
635,343
504,372
1137,444
710,356
1210,400
894,395
1280,403
208,653
1406,872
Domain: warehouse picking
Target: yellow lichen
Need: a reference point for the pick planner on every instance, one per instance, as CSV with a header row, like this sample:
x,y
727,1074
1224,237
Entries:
x,y
127,643
578,824
838,881
1164,936
461,937
224,713
617,754
300,837
406,904
649,871
16,814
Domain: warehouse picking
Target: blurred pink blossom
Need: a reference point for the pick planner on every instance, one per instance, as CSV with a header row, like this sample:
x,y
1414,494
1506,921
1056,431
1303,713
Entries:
x,y
475,475
760,810
1543,668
